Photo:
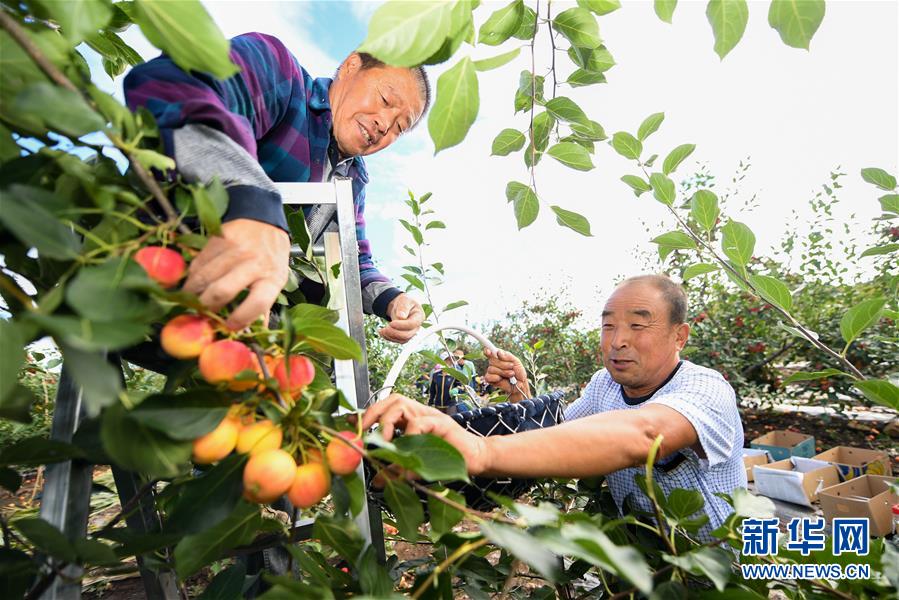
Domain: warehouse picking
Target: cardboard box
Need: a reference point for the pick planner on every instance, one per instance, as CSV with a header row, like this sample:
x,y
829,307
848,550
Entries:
x,y
752,457
797,480
866,496
784,444
855,462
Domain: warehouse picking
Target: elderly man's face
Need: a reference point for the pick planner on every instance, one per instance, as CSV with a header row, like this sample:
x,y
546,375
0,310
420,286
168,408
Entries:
x,y
371,108
640,346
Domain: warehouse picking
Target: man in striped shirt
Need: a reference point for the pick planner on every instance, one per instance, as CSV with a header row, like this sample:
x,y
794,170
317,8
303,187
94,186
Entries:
x,y
273,122
645,391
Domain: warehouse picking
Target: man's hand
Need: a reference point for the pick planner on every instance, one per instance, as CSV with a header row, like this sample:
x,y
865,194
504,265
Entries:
x,y
501,366
398,412
406,316
247,255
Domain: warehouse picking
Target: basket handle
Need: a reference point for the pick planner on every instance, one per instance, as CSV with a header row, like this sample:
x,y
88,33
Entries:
x,y
415,344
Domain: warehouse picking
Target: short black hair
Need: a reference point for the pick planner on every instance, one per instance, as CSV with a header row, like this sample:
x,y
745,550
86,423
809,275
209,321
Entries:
x,y
672,292
421,78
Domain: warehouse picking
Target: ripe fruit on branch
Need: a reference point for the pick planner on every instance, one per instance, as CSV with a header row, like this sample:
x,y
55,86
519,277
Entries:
x,y
311,483
259,437
268,475
343,458
301,373
221,361
218,443
185,336
163,265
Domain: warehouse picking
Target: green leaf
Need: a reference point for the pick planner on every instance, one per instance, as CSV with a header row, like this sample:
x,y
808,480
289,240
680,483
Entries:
x,y
186,32
704,209
812,375
373,576
208,212
737,242
571,155
59,109
101,293
627,145
455,304
523,547
564,109
184,416
677,240
10,480
340,535
502,24
94,552
879,250
101,383
676,157
442,516
579,26
524,203
34,226
662,189
728,19
435,225
796,20
860,317
200,549
150,159
665,9
227,585
600,7
456,106
592,131
208,499
772,290
440,460
593,545
582,77
650,125
415,231
87,335
880,391
139,448
543,124
747,504
487,64
327,338
572,220
12,349
34,451
15,405
461,29
47,538
508,140
683,504
713,563
880,178
406,507
699,269
638,184
595,60
890,203
79,19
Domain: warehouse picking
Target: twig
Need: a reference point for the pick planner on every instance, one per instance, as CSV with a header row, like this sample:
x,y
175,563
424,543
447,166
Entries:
x,y
459,553
534,99
21,37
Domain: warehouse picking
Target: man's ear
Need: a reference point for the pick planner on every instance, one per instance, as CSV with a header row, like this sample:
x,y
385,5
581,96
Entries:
x,y
682,334
351,64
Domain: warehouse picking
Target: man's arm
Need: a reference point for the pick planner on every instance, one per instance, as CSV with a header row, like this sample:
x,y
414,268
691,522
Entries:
x,y
379,296
595,445
210,128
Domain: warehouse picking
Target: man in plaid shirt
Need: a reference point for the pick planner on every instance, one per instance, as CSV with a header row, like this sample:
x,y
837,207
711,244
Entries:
x,y
645,391
274,122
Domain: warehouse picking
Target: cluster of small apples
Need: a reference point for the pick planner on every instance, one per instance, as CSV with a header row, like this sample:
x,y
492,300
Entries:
x,y
271,471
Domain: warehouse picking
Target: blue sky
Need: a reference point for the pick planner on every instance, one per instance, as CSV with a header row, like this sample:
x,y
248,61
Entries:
x,y
796,114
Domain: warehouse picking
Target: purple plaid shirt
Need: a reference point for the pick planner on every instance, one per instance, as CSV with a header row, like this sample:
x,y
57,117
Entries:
x,y
274,110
